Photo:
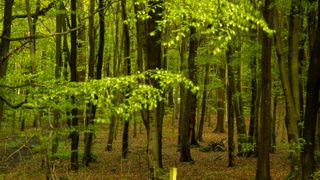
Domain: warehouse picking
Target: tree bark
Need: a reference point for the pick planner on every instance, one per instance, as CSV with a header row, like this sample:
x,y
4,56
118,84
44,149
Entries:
x,y
182,102
253,66
153,57
240,120
312,106
273,125
189,115
91,109
56,113
291,113
112,129
5,45
127,69
230,88
221,100
74,135
204,102
192,75
263,164
102,30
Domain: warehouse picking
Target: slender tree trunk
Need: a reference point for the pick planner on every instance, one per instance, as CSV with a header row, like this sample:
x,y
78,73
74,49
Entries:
x,y
112,129
240,120
293,51
182,102
230,88
263,164
102,30
204,102
192,102
292,116
188,122
312,106
253,66
127,69
5,45
56,113
221,100
273,125
91,109
74,135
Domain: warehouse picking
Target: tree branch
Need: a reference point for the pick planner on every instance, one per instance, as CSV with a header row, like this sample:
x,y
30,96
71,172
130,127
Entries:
x,y
42,12
12,105
41,36
6,57
20,86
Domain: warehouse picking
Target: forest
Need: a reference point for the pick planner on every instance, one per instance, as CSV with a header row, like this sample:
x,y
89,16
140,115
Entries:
x,y
160,89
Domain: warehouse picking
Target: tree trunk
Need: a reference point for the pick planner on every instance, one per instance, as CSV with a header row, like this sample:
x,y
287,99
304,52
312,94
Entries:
x,y
182,102
204,102
263,164
74,135
253,66
127,69
312,106
112,129
56,113
240,120
192,103
230,88
273,125
91,109
154,121
189,116
5,45
101,40
221,100
291,113
293,52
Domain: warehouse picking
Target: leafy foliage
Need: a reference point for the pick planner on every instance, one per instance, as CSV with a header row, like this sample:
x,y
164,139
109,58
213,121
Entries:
x,y
102,93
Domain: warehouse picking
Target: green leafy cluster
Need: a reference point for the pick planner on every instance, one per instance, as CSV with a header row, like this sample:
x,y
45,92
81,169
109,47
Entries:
x,y
135,92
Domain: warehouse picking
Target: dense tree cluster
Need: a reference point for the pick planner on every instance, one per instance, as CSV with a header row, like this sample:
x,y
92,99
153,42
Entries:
x,y
87,62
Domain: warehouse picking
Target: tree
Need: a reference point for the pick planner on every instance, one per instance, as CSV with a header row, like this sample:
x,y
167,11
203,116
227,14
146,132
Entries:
x,y
91,108
153,59
74,135
189,115
127,70
312,104
5,45
263,164
230,90
221,100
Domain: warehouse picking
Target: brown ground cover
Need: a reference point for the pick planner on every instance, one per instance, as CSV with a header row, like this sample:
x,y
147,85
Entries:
x,y
206,165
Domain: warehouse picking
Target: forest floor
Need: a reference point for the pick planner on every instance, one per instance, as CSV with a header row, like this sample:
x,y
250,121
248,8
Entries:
x,y
109,165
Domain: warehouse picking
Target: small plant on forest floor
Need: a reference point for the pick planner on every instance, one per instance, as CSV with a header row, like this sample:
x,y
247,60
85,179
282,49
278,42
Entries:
x,y
247,148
